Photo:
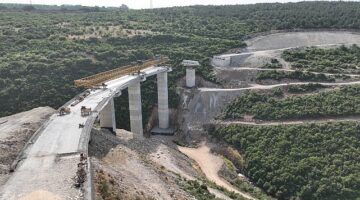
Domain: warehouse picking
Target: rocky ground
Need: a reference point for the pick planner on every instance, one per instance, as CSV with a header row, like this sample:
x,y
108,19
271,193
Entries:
x,y
127,167
15,131
131,168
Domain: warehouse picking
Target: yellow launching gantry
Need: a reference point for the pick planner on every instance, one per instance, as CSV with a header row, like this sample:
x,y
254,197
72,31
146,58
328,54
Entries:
x,y
100,78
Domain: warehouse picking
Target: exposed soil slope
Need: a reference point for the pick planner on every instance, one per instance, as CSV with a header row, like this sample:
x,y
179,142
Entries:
x,y
138,169
15,131
301,39
210,164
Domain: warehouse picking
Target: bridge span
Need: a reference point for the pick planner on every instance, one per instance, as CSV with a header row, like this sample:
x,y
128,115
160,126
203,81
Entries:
x,y
53,160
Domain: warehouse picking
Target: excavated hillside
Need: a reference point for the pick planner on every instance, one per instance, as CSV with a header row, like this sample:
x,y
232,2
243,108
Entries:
x,y
15,132
204,104
127,167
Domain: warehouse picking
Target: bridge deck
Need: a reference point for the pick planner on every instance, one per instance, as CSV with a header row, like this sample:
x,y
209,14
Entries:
x,y
51,162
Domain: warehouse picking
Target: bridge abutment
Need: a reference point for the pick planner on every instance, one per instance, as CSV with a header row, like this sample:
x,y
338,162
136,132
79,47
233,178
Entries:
x,y
136,124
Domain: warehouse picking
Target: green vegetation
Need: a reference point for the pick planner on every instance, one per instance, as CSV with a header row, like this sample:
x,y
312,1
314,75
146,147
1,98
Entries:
x,y
39,64
338,60
242,184
274,64
296,75
312,161
47,47
234,164
43,49
198,190
311,87
232,195
245,186
341,102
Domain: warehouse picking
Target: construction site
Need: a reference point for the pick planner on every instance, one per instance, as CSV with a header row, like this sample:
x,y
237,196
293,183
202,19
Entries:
x,y
77,152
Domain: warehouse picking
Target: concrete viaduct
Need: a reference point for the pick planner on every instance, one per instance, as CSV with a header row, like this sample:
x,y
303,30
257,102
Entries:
x,y
51,158
107,114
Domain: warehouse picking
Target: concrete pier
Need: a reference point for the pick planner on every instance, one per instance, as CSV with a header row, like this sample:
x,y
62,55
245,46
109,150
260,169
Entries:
x,y
135,109
107,116
163,101
190,77
190,72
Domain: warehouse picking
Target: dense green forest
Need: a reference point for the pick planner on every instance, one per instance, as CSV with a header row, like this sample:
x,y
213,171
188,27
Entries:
x,y
43,49
293,75
312,161
311,87
338,60
339,102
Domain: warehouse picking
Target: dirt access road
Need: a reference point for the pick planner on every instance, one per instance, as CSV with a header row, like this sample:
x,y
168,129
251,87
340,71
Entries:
x,y
210,164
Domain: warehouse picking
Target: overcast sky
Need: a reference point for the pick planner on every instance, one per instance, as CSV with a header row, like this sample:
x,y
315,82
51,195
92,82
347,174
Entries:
x,y
138,4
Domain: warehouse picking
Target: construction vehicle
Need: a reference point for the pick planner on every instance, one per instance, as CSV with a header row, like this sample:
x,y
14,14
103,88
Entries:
x,y
85,111
77,101
64,111
97,80
81,98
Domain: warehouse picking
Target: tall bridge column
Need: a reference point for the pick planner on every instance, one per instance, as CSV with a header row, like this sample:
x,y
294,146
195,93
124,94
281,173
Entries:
x,y
107,116
135,109
163,104
190,77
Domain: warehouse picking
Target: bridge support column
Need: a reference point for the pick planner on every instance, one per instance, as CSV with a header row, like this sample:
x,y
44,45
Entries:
x,y
135,109
163,104
107,116
190,77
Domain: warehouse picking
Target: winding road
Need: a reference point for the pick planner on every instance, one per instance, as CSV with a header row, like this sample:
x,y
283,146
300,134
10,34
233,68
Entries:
x,y
281,69
210,164
269,87
207,103
291,122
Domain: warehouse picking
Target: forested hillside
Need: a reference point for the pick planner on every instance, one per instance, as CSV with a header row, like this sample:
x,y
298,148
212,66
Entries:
x,y
338,60
336,103
312,161
42,50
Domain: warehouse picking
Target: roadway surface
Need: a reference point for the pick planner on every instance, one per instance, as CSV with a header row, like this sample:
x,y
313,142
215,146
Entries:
x,y
284,70
49,163
269,87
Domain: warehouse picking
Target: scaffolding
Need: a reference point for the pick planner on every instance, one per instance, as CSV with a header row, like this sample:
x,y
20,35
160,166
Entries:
x,y
100,78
